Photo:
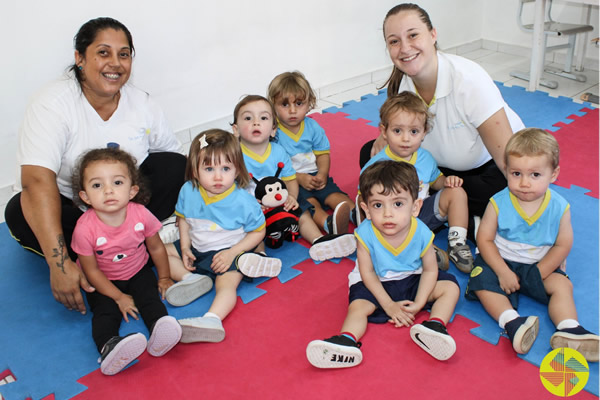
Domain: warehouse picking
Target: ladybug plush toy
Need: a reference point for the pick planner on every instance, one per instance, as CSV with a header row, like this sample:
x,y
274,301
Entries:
x,y
281,225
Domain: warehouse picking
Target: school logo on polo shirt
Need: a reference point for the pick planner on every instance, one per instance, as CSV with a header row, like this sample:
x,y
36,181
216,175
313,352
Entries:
x,y
564,372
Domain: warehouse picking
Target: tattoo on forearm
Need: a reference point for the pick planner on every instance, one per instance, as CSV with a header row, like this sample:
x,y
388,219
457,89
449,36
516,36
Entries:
x,y
59,253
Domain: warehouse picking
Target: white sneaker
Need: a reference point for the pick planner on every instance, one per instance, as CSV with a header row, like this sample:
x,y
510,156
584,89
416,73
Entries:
x,y
118,352
332,246
335,352
165,335
337,223
201,329
256,265
433,337
169,231
188,290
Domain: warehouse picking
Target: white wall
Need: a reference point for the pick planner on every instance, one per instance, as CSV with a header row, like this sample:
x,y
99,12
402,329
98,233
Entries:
x,y
197,58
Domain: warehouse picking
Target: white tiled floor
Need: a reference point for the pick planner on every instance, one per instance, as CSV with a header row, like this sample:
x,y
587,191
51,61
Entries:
x,y
497,64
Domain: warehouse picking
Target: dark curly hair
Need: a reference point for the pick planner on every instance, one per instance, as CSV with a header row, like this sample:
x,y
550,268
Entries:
x,y
110,154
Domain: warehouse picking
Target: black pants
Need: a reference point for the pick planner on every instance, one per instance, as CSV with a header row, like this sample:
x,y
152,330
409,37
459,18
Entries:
x,y
163,172
107,317
479,183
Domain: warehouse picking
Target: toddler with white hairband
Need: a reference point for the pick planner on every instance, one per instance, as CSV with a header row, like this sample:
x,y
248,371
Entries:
x,y
220,224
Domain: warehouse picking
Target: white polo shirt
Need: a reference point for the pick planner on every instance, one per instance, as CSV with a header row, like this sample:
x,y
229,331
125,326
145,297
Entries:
x,y
60,125
465,97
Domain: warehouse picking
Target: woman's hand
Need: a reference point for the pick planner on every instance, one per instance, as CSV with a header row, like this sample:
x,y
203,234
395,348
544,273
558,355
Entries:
x,y
66,282
41,204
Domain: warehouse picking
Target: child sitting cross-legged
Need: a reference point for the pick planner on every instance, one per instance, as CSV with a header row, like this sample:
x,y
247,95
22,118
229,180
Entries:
x,y
220,226
396,275
404,122
524,238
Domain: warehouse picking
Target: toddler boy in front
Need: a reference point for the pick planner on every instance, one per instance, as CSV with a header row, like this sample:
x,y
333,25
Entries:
x,y
396,275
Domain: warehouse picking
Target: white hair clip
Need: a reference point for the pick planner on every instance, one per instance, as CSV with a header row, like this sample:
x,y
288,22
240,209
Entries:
x,y
203,142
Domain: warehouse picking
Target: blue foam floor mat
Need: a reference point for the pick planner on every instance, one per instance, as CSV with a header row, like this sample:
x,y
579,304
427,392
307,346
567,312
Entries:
x,y
34,325
535,108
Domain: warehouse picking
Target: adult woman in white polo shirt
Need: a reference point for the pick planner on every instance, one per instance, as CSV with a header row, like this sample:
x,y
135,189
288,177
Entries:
x,y
472,123
91,106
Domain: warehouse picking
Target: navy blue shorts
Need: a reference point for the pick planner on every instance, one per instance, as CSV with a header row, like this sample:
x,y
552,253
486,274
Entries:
x,y
483,277
203,261
402,289
430,212
319,195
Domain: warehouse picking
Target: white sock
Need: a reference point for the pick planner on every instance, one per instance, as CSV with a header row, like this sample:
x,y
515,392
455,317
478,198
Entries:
x,y
507,316
457,235
186,276
313,242
567,323
211,315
